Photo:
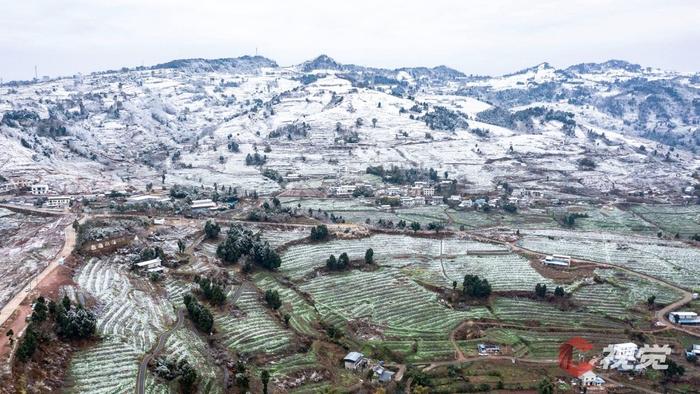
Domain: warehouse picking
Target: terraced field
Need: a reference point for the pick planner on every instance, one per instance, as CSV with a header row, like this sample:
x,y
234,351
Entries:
x,y
612,219
388,299
391,250
504,272
257,331
303,316
526,219
128,320
684,220
536,345
184,344
671,261
108,367
526,310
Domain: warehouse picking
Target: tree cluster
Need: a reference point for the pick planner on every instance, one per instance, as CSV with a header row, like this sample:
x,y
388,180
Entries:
x,y
272,298
199,314
320,233
475,287
255,159
212,291
241,242
339,264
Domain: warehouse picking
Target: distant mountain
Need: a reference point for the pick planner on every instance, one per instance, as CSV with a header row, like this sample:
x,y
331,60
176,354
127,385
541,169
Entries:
x,y
236,64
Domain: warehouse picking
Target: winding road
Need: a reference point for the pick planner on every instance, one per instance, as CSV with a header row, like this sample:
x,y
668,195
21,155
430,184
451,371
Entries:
x,y
162,339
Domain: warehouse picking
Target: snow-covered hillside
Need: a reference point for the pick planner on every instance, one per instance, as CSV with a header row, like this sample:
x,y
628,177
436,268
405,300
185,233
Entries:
x,y
195,121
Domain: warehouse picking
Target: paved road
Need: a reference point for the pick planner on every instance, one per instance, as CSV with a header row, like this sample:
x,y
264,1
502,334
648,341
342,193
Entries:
x,y
162,339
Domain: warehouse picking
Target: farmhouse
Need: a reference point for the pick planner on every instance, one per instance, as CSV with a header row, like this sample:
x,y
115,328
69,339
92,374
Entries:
x,y
393,191
621,355
203,204
148,265
693,349
684,317
382,374
589,378
557,260
485,348
39,189
355,360
7,187
58,201
436,200
428,191
455,198
466,203
408,201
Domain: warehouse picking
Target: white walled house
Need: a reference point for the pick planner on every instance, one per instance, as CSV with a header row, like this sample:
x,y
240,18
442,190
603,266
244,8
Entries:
x,y
354,360
58,201
681,317
39,189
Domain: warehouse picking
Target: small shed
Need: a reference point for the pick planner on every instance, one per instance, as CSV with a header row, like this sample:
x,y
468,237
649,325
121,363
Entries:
x,y
354,360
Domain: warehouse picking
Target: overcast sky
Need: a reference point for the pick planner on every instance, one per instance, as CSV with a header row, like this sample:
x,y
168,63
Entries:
x,y
482,37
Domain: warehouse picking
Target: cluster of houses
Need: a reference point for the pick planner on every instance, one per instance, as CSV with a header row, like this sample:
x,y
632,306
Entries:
x,y
357,361
421,193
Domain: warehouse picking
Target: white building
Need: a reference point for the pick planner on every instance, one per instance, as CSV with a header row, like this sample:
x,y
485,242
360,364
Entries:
x,y
39,189
58,201
203,204
428,191
455,198
466,203
407,201
393,191
681,317
557,260
589,378
436,200
621,354
149,264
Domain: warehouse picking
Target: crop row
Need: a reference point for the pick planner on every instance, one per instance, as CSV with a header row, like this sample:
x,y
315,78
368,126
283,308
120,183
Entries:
x,y
256,331
387,299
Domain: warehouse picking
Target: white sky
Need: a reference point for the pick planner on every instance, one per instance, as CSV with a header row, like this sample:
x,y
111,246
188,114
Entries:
x,y
63,37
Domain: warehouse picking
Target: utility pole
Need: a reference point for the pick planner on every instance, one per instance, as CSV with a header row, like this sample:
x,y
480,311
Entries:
x,y
36,73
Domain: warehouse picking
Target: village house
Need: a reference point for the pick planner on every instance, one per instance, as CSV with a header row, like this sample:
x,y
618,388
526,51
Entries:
x,y
420,184
485,349
428,191
468,203
415,191
407,201
393,191
558,260
455,198
436,200
683,317
150,265
203,204
589,378
693,349
7,187
39,189
292,176
354,361
382,374
623,355
58,201
344,190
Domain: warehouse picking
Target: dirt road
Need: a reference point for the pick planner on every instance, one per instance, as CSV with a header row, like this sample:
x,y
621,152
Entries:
x,y
17,308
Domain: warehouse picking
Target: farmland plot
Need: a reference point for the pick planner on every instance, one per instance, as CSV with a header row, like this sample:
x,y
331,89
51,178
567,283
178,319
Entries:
x,y
277,238
129,321
108,367
302,315
684,220
394,250
670,261
183,344
504,272
526,310
525,219
387,299
257,331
